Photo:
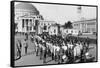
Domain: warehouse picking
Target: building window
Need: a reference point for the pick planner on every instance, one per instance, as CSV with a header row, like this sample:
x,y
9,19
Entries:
x,y
75,24
34,28
66,31
30,28
33,23
39,17
36,22
26,22
45,27
72,31
27,28
30,20
54,30
22,23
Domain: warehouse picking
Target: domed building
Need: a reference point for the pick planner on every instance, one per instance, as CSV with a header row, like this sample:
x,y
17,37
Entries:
x,y
25,9
26,17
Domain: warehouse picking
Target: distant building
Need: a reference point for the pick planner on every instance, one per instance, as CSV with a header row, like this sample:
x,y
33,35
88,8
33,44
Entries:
x,y
89,26
65,32
54,29
44,26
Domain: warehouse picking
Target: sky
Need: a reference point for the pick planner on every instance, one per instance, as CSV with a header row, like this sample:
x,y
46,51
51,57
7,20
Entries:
x,y
64,13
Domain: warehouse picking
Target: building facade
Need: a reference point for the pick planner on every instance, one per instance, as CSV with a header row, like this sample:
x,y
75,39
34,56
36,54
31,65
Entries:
x,y
26,18
54,29
88,26
44,26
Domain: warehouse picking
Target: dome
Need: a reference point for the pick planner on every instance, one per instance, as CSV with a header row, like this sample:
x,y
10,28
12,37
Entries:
x,y
26,6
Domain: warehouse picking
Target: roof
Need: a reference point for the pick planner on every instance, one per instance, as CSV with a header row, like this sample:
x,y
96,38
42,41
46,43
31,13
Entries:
x,y
27,6
85,20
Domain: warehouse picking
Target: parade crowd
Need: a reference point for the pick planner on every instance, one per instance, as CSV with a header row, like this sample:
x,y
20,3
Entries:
x,y
62,50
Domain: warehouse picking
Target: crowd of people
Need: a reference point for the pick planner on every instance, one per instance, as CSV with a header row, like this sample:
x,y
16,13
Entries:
x,y
21,47
62,50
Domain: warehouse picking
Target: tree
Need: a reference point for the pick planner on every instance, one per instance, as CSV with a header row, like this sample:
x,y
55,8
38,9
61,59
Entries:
x,y
68,25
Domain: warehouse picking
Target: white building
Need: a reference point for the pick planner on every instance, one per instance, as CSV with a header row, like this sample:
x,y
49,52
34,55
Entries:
x,y
26,17
71,31
89,26
44,26
54,29
67,31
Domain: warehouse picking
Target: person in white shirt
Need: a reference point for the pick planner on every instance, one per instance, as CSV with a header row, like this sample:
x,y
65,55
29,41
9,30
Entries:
x,y
48,49
77,51
26,46
57,52
70,45
36,46
70,49
54,51
51,48
57,48
65,48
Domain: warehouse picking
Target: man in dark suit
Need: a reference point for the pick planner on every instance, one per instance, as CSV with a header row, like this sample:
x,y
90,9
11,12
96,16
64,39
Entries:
x,y
26,46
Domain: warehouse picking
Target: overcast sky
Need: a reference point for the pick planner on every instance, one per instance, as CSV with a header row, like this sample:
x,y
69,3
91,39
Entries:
x,y
64,13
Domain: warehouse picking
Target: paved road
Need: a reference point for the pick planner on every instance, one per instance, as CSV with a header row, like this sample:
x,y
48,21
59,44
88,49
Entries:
x,y
32,60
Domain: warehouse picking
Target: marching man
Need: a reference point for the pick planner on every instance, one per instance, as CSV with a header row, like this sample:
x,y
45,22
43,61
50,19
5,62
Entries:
x,y
44,52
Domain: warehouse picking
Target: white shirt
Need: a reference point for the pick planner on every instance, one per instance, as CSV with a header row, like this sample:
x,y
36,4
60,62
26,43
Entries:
x,y
70,46
77,51
64,47
43,47
64,56
57,48
54,49
49,45
35,44
81,46
40,45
